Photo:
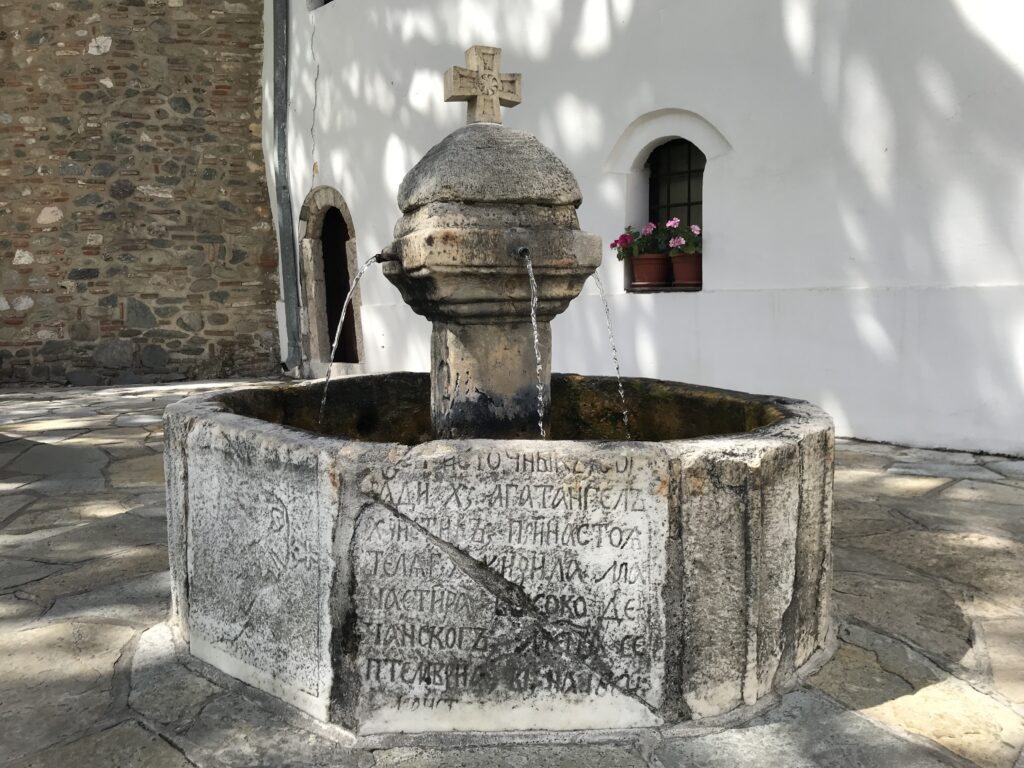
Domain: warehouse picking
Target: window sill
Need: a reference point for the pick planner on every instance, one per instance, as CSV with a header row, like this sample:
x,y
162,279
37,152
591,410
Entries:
x,y
664,289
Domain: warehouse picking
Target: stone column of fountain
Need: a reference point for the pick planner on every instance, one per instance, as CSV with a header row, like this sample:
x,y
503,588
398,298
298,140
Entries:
x,y
475,208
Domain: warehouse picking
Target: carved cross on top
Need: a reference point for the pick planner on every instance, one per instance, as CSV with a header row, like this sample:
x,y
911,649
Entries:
x,y
482,83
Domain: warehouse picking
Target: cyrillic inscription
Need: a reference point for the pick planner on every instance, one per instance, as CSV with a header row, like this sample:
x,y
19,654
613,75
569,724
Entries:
x,y
507,577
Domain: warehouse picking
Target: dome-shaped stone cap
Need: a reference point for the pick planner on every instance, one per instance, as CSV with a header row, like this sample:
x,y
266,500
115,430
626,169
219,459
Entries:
x,y
489,163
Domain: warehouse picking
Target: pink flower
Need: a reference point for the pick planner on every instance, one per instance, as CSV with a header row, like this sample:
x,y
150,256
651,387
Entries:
x,y
676,242
695,229
649,228
625,240
615,244
672,223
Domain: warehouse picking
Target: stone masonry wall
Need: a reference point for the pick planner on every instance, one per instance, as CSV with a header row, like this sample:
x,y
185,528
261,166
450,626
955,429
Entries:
x,y
136,241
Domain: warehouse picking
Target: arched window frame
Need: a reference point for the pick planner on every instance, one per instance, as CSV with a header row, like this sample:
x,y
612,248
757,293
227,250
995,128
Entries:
x,y
315,336
628,158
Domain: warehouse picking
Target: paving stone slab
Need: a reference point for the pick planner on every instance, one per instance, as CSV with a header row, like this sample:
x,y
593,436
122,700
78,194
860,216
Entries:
x,y
142,602
126,745
1011,468
954,515
15,572
162,689
986,565
894,685
239,733
944,469
142,472
11,481
523,756
86,542
56,682
937,456
66,460
864,482
806,731
100,573
986,493
11,503
58,511
1004,639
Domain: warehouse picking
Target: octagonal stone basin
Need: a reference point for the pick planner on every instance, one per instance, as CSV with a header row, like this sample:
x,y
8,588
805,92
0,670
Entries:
x,y
391,583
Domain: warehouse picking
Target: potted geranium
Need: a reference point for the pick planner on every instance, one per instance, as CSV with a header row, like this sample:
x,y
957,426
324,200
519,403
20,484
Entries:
x,y
647,252
685,250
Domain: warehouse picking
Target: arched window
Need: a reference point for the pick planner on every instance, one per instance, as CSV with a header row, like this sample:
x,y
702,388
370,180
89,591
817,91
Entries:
x,y
676,183
327,261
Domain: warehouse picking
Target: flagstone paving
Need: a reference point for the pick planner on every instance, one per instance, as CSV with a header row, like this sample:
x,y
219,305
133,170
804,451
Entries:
x,y
928,597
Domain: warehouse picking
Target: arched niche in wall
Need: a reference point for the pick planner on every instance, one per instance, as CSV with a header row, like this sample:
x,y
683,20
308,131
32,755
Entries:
x,y
328,260
628,157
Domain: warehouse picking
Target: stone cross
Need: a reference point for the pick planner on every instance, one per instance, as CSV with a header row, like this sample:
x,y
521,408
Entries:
x,y
482,83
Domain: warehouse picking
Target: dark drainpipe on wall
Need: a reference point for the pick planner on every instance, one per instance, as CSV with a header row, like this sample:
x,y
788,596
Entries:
x,y
285,221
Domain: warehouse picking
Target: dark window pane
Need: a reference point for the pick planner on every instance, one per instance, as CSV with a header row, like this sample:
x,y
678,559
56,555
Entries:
x,y
696,187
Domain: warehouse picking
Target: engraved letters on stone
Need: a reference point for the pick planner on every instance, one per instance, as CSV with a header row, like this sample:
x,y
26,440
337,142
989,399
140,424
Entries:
x,y
513,584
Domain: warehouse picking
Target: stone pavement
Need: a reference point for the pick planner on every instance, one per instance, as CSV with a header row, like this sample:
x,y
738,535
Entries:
x,y
928,593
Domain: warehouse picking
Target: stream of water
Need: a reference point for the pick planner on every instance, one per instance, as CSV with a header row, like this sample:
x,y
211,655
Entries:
x,y
337,332
615,353
525,254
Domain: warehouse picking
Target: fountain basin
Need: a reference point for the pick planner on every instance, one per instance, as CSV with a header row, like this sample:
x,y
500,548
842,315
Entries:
x,y
389,583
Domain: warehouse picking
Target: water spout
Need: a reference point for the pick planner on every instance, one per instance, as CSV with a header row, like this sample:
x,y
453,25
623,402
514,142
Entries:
x,y
524,254
376,258
615,353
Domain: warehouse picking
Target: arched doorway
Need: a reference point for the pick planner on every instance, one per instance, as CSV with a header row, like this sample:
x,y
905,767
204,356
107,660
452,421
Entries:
x,y
328,260
333,238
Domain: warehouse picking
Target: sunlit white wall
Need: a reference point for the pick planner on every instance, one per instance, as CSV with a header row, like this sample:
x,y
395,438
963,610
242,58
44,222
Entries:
x,y
864,249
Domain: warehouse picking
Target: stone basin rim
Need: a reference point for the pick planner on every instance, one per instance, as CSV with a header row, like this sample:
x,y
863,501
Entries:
x,y
793,416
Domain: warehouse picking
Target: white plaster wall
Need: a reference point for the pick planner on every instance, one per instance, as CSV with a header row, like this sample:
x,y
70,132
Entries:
x,y
864,249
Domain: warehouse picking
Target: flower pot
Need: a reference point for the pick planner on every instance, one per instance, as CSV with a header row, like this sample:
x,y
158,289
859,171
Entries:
x,y
651,270
686,271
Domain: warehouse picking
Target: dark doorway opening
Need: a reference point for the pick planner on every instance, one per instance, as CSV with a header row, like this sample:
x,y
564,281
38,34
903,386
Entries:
x,y
333,238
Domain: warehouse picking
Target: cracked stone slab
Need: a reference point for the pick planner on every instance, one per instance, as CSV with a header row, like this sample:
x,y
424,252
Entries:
x,y
239,733
126,745
162,689
65,510
98,573
60,460
86,542
944,469
871,482
886,681
141,602
56,682
986,493
15,572
10,503
524,756
1011,468
807,730
141,472
1004,639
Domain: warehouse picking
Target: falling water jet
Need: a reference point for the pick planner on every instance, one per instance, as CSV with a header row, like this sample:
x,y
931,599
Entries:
x,y
615,354
380,257
524,254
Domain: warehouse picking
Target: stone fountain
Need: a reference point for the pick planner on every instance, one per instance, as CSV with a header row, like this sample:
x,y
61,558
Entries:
x,y
422,561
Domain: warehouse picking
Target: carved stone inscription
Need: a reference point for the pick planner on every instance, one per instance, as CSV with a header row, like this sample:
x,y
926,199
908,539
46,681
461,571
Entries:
x,y
509,586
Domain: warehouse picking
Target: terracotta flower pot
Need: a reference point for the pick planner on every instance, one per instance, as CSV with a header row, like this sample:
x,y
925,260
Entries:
x,y
651,270
686,271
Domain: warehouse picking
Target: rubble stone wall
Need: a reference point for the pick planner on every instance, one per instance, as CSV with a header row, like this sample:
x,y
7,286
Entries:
x,y
136,241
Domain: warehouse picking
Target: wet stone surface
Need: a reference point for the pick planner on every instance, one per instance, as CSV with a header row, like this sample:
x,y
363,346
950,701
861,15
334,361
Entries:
x,y
501,588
